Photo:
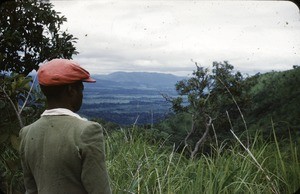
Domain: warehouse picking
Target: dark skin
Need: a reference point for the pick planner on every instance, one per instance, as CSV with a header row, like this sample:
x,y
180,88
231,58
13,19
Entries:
x,y
70,97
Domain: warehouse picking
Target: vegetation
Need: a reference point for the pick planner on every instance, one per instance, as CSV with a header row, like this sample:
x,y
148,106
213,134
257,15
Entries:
x,y
138,165
200,149
30,34
276,95
18,107
210,98
154,160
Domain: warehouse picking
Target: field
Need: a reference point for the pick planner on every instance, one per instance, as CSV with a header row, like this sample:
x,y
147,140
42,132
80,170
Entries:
x,y
141,107
137,166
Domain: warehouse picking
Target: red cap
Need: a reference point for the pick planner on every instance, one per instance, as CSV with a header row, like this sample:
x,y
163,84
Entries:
x,y
61,72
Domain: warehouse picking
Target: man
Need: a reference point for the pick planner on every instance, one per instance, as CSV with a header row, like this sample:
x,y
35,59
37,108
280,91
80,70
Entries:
x,y
62,153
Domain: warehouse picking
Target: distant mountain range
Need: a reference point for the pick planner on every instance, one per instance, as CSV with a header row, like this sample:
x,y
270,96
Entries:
x,y
137,80
122,97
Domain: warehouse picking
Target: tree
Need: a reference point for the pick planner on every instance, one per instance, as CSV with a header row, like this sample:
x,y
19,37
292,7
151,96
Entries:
x,y
30,34
209,97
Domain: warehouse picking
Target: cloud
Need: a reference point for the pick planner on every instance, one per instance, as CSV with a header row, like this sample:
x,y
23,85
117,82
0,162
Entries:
x,y
164,36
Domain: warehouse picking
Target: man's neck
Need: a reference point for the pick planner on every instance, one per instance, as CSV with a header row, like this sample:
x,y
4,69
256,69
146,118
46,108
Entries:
x,y
53,105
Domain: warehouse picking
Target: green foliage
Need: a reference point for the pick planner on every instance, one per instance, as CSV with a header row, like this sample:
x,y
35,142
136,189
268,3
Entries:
x,y
174,128
30,34
208,97
13,90
18,107
17,100
260,98
110,126
208,93
148,160
138,166
276,96
11,172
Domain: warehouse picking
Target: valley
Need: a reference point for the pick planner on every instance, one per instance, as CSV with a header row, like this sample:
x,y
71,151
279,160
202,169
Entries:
x,y
129,98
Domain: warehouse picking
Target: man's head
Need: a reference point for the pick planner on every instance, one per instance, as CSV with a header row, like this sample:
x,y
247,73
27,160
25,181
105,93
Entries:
x,y
61,82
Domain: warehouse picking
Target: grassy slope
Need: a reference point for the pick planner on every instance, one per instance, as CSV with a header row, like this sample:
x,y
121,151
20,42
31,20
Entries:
x,y
136,166
276,97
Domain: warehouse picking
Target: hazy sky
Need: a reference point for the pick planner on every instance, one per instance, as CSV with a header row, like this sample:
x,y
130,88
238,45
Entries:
x,y
168,35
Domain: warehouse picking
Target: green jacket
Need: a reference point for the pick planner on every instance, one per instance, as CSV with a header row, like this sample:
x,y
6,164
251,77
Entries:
x,y
64,155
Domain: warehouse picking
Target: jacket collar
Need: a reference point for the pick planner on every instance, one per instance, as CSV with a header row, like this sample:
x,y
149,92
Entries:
x,y
61,111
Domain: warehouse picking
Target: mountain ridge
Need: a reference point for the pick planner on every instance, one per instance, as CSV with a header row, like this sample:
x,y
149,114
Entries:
x,y
137,79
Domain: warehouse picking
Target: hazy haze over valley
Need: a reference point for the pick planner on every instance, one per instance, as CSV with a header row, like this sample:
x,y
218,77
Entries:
x,y
129,97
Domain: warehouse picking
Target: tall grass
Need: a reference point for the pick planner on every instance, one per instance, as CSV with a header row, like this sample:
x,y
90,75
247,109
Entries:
x,y
137,166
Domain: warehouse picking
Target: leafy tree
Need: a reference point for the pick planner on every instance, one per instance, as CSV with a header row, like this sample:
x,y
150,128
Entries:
x,y
30,34
209,97
174,128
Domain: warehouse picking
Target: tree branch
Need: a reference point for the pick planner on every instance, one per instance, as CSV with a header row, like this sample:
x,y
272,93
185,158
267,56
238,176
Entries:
x,y
235,102
14,107
202,139
25,102
189,134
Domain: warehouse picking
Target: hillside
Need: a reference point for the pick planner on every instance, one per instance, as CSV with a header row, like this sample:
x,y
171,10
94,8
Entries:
x,y
138,80
276,96
123,96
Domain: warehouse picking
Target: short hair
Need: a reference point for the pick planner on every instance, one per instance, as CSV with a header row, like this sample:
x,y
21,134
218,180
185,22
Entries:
x,y
56,92
52,92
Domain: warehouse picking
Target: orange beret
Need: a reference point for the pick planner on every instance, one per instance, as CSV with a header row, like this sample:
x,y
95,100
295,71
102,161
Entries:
x,y
62,72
